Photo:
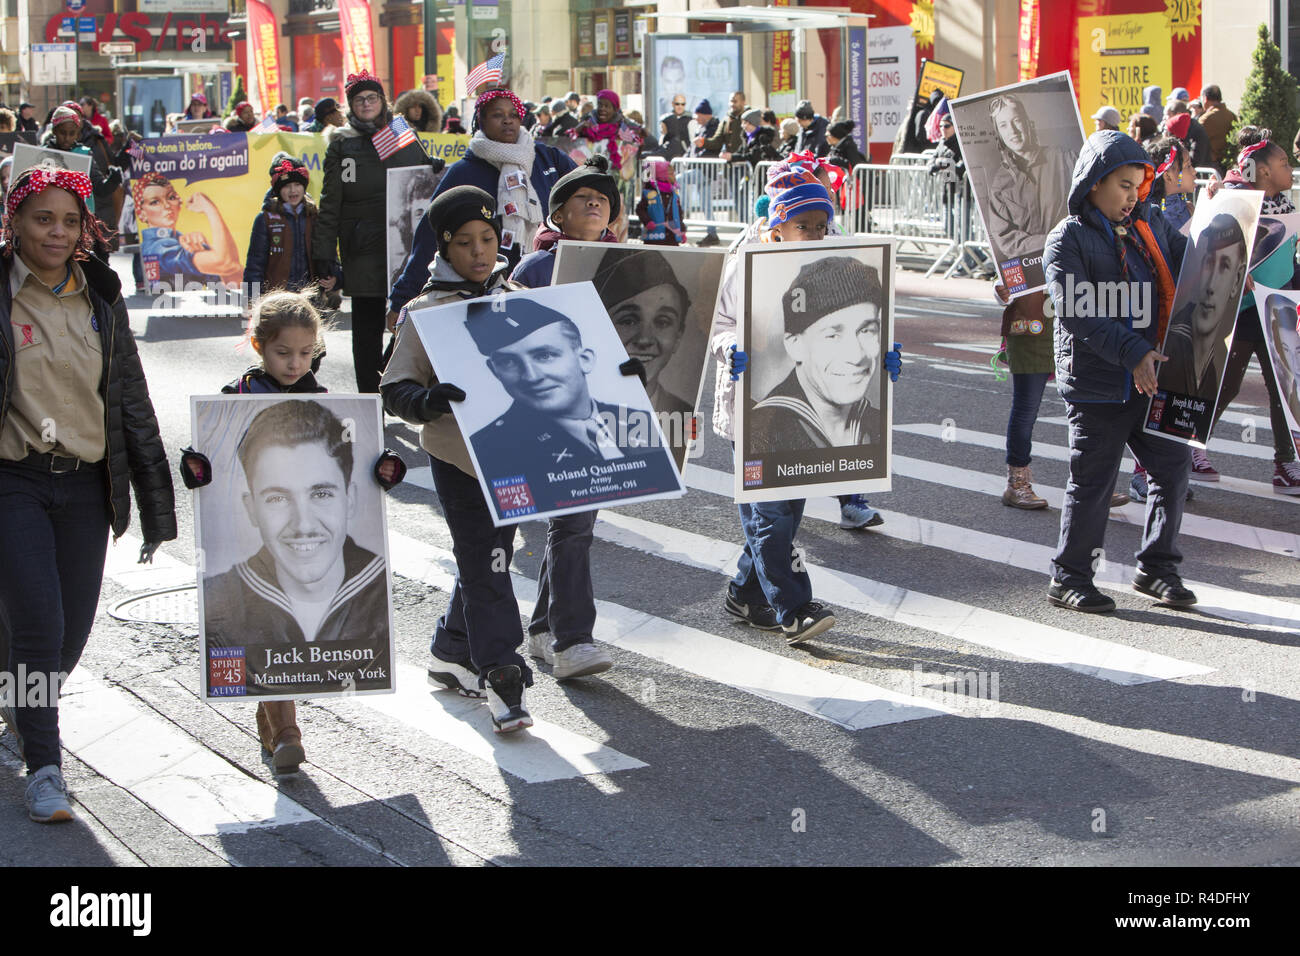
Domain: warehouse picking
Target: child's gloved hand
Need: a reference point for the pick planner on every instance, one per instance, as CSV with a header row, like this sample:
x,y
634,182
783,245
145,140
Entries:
x,y
739,362
196,470
437,400
389,469
894,362
633,366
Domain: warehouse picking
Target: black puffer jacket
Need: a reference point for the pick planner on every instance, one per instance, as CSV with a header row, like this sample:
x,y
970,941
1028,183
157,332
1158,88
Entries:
x,y
135,455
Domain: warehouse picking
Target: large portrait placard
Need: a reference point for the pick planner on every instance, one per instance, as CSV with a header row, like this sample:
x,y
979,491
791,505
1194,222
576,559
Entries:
x,y
552,425
1204,315
293,575
661,300
1279,313
813,412
1020,143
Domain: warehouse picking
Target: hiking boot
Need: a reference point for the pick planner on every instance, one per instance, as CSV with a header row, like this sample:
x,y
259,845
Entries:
x,y
1083,597
579,660
47,796
462,677
761,616
809,621
540,646
1201,469
1020,490
1286,478
505,697
1167,590
856,513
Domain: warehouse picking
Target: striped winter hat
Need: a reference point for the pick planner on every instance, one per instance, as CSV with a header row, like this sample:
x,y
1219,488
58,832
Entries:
x,y
800,198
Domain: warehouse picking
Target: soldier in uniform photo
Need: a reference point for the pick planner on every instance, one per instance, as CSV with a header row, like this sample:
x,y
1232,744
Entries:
x,y
1286,343
1195,340
309,581
832,315
554,423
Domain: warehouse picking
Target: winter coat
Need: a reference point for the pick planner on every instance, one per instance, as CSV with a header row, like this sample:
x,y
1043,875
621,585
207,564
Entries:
x,y
1095,353
661,218
353,221
258,381
276,235
728,137
949,165
561,124
845,154
1217,120
431,121
678,140
134,455
813,137
762,147
707,131
916,140
549,165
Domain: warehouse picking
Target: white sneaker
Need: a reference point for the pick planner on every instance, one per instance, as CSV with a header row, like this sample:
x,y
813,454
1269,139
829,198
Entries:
x,y
462,678
579,661
47,796
541,646
507,699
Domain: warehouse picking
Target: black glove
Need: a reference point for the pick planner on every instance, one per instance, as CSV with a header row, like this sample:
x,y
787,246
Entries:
x,y
438,163
633,367
196,470
398,475
415,403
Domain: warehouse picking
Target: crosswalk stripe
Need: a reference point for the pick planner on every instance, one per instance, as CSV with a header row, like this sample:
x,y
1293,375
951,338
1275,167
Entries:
x,y
1251,609
850,703
1196,526
161,765
546,752
1030,640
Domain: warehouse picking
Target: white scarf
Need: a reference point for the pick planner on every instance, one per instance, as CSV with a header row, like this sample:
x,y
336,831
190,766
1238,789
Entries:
x,y
517,201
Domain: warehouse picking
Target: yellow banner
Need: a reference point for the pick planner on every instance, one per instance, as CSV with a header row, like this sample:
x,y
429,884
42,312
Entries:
x,y
446,146
936,76
1120,55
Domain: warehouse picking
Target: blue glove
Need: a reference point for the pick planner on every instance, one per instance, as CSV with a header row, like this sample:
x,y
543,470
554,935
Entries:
x,y
739,362
894,362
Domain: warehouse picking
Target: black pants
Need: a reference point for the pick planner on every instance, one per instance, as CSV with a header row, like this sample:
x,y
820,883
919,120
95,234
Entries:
x,y
368,314
566,604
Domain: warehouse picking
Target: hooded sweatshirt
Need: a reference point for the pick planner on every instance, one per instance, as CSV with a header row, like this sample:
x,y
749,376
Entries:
x,y
1152,104
1096,346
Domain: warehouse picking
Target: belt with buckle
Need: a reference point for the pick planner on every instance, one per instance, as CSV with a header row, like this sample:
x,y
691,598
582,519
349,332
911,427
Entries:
x,y
55,464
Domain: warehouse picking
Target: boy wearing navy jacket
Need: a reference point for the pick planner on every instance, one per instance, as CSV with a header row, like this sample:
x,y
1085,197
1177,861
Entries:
x,y
1106,367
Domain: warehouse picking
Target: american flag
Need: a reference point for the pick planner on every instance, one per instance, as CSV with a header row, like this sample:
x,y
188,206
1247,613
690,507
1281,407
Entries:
x,y
268,124
393,137
932,130
488,71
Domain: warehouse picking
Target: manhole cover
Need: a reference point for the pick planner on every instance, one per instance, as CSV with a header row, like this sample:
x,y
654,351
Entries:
x,y
178,605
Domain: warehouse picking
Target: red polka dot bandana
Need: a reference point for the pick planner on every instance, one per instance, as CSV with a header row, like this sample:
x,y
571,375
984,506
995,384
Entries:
x,y
491,95
39,178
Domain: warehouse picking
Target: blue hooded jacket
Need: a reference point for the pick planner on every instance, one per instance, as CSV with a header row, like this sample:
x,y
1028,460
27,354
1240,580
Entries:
x,y
1095,353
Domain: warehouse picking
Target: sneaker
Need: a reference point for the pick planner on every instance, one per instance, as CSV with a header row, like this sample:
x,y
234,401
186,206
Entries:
x,y
809,621
462,678
1084,598
540,646
579,660
47,796
1201,469
10,717
1118,499
505,696
710,239
761,616
1167,590
1137,488
1286,478
856,513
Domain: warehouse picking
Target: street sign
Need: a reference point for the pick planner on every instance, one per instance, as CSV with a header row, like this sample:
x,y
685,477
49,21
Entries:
x,y
119,48
86,25
67,26
76,6
53,64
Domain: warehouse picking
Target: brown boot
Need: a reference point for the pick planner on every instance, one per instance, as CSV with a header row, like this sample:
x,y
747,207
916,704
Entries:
x,y
1020,490
277,726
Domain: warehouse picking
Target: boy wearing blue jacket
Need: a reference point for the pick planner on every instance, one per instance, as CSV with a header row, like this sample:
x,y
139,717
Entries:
x,y
1106,367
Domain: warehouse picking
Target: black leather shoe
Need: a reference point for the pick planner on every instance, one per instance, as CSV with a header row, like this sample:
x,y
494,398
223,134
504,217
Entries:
x,y
1168,590
1085,598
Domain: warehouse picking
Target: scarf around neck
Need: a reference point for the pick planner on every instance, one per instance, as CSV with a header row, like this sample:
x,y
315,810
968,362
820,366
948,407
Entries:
x,y
517,203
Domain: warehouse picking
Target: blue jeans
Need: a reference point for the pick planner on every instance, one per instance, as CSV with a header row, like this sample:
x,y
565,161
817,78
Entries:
x,y
768,567
481,623
566,604
1026,397
1098,434
52,544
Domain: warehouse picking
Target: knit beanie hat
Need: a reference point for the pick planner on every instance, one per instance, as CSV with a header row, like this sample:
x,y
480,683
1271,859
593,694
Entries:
x,y
324,107
288,170
804,110
828,285
594,173
456,206
1179,125
703,107
800,199
67,113
752,117
789,127
609,95
359,83
841,129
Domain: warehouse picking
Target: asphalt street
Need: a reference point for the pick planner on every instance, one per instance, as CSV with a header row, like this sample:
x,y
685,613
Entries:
x,y
952,717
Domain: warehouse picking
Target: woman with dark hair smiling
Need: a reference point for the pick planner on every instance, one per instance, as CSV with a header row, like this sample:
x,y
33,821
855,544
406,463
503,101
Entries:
x,y
77,430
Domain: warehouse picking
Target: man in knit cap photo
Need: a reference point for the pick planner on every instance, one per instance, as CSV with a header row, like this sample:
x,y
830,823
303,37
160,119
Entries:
x,y
830,318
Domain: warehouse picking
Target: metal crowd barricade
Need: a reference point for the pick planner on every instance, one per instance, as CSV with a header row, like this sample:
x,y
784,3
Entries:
x,y
715,190
907,204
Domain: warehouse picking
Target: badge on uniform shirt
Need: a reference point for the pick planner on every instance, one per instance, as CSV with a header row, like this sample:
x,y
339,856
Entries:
x,y
511,209
515,180
507,239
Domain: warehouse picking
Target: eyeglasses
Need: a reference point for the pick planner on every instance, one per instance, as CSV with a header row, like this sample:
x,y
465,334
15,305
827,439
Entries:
x,y
679,102
367,99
